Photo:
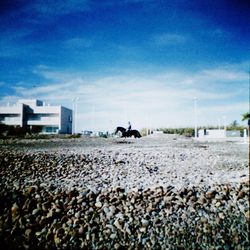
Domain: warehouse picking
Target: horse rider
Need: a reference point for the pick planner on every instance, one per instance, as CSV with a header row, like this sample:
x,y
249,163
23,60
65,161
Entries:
x,y
129,126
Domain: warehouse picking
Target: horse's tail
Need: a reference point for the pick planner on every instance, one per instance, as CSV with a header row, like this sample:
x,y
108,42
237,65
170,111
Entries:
x,y
116,130
138,134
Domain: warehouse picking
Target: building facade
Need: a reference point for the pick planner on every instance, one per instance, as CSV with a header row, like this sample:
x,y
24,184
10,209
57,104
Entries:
x,y
38,116
218,133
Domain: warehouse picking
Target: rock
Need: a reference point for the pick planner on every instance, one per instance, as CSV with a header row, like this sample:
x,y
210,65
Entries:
x,y
14,210
35,211
98,204
144,222
118,225
65,200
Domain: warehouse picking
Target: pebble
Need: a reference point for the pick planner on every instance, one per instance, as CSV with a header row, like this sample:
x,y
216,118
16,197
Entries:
x,y
98,204
126,224
127,200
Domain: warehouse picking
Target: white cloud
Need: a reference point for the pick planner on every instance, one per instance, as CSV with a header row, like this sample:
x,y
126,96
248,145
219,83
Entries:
x,y
169,39
43,90
60,7
217,33
51,74
78,43
223,74
163,100
222,113
11,99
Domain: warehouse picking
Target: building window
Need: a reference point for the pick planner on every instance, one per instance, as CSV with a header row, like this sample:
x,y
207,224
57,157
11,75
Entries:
x,y
51,129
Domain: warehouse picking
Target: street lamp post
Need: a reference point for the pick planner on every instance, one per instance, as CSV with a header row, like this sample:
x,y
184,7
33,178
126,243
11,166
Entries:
x,y
219,123
195,117
93,119
73,116
74,123
224,121
225,126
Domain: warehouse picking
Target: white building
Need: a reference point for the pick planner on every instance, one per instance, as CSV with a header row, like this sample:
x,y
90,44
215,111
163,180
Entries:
x,y
38,116
217,133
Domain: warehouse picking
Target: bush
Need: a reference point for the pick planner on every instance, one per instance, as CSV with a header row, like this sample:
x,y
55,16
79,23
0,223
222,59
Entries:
x,y
7,131
72,136
16,131
179,131
3,128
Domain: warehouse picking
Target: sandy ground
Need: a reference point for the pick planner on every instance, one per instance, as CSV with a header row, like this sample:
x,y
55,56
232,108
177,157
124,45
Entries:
x,y
141,163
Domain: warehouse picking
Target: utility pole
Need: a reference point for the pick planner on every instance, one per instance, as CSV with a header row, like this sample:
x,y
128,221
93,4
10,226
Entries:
x,y
219,122
224,121
74,120
93,119
195,117
73,116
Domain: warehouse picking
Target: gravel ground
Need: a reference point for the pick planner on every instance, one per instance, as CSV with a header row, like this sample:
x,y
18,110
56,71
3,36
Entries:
x,y
156,192
136,163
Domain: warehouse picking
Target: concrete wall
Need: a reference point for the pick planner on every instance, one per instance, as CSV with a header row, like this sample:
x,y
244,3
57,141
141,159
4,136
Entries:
x,y
211,133
66,120
232,133
44,116
218,133
12,115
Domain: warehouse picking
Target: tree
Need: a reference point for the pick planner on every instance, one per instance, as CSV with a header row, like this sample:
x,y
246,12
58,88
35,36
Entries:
x,y
246,116
234,124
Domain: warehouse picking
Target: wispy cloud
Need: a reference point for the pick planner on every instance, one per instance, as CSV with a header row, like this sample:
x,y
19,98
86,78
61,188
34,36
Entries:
x,y
60,7
50,74
223,74
78,43
163,99
10,42
47,89
166,39
218,33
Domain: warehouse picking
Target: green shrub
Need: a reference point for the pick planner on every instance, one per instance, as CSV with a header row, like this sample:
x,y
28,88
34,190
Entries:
x,y
179,131
72,136
13,131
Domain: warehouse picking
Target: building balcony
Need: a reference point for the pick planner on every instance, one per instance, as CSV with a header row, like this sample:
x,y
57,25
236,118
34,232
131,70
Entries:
x,y
43,122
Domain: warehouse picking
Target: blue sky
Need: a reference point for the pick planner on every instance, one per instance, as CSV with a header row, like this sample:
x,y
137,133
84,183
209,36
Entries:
x,y
142,61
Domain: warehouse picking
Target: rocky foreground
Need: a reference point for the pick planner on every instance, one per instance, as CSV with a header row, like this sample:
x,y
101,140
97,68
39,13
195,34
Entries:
x,y
155,193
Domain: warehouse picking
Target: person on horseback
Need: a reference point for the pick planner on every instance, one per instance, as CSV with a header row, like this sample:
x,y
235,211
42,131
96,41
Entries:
x,y
128,132
129,126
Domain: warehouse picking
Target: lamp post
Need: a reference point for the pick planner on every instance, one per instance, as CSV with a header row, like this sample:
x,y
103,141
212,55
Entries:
x,y
195,117
219,123
224,121
225,126
75,100
93,118
73,116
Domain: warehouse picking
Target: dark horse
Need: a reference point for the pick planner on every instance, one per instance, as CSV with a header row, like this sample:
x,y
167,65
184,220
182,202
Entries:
x,y
129,133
